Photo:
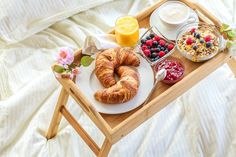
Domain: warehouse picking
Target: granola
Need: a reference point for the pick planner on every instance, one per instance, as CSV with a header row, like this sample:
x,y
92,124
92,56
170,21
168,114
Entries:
x,y
199,43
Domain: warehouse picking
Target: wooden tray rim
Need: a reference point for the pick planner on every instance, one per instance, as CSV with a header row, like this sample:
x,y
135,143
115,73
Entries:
x,y
155,105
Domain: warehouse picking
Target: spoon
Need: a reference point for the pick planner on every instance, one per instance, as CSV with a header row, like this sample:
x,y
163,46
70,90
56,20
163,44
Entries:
x,y
160,75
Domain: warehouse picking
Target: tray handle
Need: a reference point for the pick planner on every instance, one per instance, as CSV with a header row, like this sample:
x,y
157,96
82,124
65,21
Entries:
x,y
75,92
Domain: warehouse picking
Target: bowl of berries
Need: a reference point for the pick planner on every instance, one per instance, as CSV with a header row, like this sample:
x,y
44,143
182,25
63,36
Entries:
x,y
174,69
198,41
155,48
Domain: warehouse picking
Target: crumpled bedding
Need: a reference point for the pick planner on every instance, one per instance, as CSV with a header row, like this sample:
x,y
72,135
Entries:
x,y
200,123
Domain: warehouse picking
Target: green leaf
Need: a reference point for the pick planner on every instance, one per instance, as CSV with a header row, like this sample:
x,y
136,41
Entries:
x,y
224,27
231,34
86,60
59,69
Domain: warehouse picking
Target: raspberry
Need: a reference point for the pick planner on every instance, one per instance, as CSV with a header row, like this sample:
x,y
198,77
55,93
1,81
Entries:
x,y
161,53
144,47
157,38
149,42
189,41
207,38
155,49
170,47
147,53
162,42
193,30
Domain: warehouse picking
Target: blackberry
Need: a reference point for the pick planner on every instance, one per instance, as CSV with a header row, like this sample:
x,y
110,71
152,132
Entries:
x,y
152,35
155,43
152,50
143,41
153,55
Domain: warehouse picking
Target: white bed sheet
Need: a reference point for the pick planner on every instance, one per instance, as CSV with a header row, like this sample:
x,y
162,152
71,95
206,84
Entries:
x,y
199,123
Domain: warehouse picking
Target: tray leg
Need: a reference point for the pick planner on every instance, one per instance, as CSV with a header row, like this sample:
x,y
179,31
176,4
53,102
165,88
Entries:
x,y
100,152
232,65
56,119
106,146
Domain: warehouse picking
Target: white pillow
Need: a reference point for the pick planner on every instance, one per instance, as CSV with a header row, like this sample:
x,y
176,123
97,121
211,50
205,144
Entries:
x,y
20,19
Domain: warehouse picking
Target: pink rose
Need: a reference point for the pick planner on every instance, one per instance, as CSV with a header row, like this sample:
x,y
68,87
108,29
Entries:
x,y
65,56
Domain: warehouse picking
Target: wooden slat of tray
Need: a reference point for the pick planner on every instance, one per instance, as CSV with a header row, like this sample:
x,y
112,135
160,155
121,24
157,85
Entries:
x,y
114,120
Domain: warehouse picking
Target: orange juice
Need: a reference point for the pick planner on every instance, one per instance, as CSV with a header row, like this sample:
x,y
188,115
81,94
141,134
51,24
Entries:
x,y
127,31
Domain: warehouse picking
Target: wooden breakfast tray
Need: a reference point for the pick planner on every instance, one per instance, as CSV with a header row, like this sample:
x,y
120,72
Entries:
x,y
114,127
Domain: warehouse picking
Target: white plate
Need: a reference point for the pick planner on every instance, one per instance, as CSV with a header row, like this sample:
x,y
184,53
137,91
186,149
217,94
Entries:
x,y
89,84
170,32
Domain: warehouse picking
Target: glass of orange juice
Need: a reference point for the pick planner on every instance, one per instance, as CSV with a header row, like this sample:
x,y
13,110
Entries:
x,y
127,31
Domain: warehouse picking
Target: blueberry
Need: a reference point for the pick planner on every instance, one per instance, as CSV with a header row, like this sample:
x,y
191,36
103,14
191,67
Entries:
x,y
208,44
162,48
148,38
198,35
143,41
153,55
201,41
148,47
194,34
155,43
153,59
166,51
152,50
158,49
152,35
157,57
195,47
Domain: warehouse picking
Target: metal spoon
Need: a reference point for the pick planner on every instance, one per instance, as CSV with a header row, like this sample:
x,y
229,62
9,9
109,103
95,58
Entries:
x,y
160,75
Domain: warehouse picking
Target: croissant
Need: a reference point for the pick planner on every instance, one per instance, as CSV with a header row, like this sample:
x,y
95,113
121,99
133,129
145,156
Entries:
x,y
110,59
124,90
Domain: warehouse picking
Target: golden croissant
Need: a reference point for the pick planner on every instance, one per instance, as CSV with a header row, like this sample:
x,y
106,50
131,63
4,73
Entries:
x,y
124,90
108,60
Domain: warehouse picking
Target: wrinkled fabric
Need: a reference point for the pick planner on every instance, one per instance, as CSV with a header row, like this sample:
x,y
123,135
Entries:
x,y
20,19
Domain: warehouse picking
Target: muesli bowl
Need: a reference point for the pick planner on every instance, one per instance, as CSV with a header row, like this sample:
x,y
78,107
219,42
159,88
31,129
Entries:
x,y
198,42
155,48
